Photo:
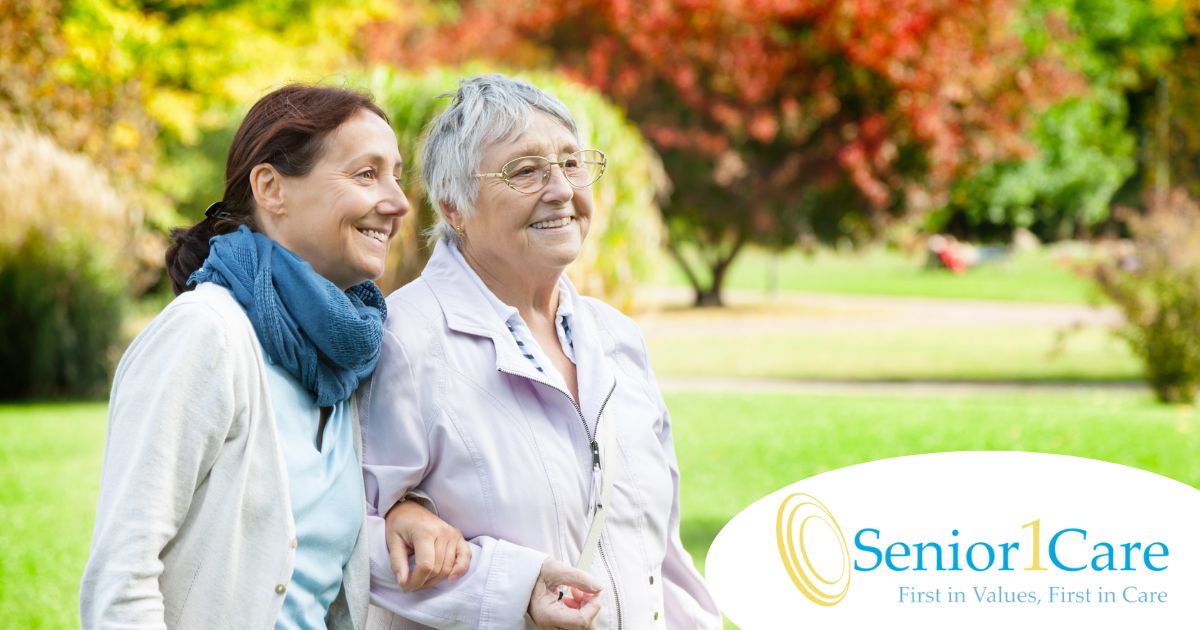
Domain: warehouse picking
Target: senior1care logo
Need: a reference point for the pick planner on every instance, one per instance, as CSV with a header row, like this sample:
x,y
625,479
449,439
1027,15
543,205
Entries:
x,y
973,539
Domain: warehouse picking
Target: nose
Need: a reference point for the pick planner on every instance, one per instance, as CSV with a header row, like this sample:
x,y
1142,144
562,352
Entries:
x,y
395,202
557,190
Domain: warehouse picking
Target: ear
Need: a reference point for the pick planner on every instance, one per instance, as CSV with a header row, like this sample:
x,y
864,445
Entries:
x,y
267,185
451,213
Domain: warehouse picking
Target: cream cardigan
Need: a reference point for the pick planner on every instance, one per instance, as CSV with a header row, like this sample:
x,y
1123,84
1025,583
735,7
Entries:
x,y
194,526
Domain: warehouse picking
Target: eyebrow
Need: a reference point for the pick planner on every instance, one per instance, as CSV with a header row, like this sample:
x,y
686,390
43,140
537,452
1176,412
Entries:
x,y
536,149
376,158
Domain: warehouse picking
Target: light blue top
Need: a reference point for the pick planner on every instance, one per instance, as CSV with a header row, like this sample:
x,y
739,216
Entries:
x,y
327,498
520,331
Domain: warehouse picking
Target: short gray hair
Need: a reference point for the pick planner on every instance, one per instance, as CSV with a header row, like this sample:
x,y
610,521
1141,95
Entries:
x,y
486,109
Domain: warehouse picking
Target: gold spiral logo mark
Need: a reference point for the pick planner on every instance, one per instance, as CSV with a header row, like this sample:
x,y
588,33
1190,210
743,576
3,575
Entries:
x,y
797,512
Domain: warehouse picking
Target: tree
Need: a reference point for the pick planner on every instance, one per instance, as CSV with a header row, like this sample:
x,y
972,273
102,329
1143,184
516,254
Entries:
x,y
104,120
1090,145
194,67
139,85
1166,111
779,121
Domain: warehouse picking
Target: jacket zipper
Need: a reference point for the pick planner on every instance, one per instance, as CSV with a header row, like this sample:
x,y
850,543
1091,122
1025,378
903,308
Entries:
x,y
599,543
611,580
595,449
592,444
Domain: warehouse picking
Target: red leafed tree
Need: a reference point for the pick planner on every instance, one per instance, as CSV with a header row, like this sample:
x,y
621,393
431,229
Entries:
x,y
778,120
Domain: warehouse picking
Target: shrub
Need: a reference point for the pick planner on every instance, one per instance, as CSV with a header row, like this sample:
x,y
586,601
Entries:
x,y
623,247
61,321
68,255
1156,283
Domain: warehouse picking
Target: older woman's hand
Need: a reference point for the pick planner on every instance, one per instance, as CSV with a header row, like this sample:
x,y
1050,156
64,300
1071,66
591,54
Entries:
x,y
578,607
440,550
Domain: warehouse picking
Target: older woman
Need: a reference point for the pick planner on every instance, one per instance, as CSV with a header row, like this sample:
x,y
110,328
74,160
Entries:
x,y
527,414
232,494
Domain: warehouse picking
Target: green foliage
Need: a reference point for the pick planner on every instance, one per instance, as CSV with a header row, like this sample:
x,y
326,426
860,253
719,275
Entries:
x,y
146,87
411,101
1174,120
195,63
103,119
63,308
1157,285
1086,148
1084,154
208,63
622,247
69,256
193,176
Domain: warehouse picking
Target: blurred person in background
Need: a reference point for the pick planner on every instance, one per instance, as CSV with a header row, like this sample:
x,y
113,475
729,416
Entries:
x,y
231,493
525,412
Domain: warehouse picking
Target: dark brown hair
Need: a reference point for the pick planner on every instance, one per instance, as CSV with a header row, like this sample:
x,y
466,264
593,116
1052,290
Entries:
x,y
285,129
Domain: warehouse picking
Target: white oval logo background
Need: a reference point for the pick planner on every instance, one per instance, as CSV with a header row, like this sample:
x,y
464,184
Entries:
x,y
789,559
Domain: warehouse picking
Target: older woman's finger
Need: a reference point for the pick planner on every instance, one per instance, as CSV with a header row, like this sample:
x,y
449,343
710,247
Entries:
x,y
559,616
398,551
447,548
557,573
426,563
591,612
462,560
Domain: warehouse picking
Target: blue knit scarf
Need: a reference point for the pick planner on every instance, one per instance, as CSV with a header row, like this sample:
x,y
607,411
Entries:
x,y
328,339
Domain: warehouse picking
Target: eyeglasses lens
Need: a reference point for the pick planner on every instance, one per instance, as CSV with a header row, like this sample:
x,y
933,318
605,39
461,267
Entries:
x,y
530,174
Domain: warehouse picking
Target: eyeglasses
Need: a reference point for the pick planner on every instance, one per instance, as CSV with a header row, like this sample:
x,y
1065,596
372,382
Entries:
x,y
531,173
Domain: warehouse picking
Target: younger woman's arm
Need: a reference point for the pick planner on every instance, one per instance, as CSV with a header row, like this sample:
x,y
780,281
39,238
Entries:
x,y
171,408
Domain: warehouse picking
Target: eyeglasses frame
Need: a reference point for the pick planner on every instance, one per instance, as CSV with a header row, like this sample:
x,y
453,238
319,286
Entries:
x,y
546,180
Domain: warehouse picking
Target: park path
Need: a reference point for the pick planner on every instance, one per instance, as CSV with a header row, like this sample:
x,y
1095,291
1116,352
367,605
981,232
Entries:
x,y
756,312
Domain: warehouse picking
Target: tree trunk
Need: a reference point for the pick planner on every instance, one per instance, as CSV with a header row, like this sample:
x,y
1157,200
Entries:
x,y
708,298
718,266
711,297
1162,144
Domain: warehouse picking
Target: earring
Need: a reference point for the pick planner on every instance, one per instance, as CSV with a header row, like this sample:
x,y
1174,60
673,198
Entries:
x,y
460,230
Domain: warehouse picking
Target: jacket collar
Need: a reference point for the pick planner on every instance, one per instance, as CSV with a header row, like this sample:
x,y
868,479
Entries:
x,y
468,311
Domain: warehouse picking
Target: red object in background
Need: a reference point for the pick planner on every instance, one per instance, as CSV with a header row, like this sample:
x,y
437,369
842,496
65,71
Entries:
x,y
952,261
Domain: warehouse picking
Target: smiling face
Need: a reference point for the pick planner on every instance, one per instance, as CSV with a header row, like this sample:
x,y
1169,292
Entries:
x,y
513,232
341,216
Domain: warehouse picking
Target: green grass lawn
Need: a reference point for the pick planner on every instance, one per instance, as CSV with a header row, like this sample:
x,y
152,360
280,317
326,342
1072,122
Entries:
x,y
953,354
1028,277
733,449
736,448
49,478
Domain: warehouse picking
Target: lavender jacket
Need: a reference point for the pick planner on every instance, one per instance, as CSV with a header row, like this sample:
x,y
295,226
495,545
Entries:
x,y
456,414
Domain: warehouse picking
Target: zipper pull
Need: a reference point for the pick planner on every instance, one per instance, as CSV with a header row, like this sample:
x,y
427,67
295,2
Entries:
x,y
595,454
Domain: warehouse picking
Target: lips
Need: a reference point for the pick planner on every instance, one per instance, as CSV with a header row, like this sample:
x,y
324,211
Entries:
x,y
552,223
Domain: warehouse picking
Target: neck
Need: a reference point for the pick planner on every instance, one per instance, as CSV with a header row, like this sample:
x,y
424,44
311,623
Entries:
x,y
533,292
